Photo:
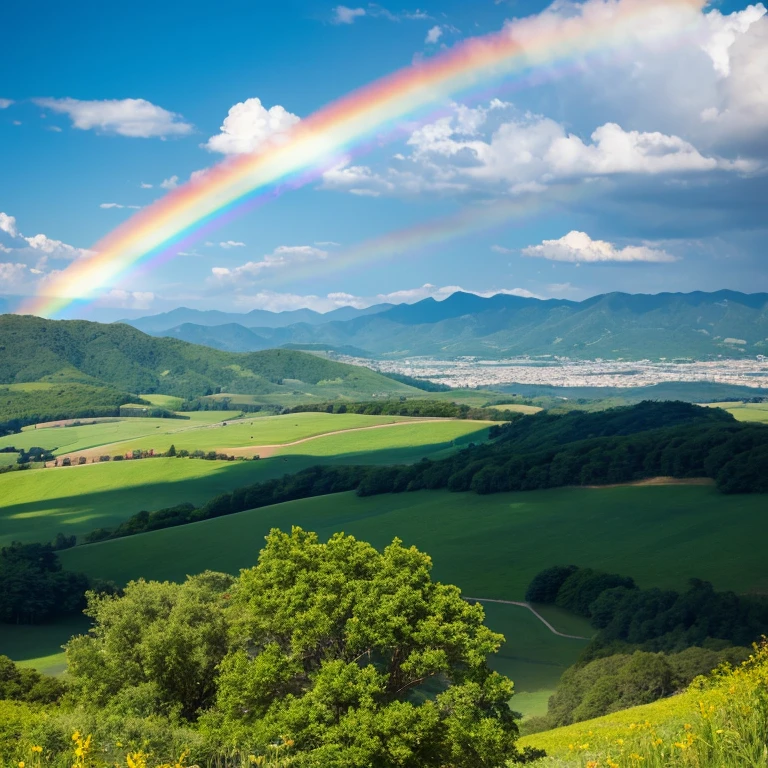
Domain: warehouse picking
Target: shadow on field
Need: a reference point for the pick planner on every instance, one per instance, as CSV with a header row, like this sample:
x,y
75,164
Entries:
x,y
80,511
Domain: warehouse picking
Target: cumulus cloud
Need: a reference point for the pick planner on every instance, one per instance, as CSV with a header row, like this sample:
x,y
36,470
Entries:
x,y
136,118
344,15
117,298
577,247
434,34
38,247
144,185
13,275
5,103
249,125
283,256
171,183
118,205
8,224
232,244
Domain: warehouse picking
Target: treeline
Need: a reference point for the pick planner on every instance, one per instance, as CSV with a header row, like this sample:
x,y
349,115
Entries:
x,y
401,407
315,481
423,384
612,454
620,445
628,618
624,680
649,643
20,407
35,586
28,685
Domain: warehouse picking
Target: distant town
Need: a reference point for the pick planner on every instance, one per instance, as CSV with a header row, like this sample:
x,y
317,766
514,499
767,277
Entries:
x,y
474,372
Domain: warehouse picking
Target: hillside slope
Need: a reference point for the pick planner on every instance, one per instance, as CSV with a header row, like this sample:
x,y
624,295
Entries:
x,y
117,355
613,325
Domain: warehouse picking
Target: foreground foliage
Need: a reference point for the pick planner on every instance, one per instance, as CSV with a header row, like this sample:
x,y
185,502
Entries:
x,y
347,655
720,722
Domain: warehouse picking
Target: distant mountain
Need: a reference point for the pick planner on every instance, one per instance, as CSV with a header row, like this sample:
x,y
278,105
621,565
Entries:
x,y
613,325
33,349
257,318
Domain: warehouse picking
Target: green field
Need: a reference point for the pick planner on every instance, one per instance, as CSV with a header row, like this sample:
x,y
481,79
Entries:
x,y
164,401
436,434
517,408
62,440
744,411
491,546
35,506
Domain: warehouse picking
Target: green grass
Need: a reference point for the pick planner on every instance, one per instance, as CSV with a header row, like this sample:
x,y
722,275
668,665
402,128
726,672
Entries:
x,y
264,430
8,459
40,646
70,439
437,434
36,506
517,407
491,546
744,411
164,401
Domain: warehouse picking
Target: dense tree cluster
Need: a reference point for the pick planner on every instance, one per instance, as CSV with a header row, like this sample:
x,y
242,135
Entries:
x,y
28,685
444,409
615,446
620,681
650,619
20,407
422,384
35,587
343,654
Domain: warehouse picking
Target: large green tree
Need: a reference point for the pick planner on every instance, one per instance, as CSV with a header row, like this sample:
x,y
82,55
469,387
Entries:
x,y
155,650
358,658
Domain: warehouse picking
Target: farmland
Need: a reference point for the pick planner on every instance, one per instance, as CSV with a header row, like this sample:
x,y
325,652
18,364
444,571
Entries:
x,y
35,506
745,411
491,546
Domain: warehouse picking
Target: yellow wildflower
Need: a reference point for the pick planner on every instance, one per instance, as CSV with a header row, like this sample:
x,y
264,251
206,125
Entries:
x,y
37,749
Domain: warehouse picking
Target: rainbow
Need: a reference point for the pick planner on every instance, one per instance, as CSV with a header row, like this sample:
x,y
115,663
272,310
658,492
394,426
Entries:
x,y
324,139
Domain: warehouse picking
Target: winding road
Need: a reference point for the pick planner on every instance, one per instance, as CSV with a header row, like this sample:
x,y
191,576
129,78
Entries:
x,y
532,610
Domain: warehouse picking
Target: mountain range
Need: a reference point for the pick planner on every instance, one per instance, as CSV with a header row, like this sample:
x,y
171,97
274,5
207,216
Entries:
x,y
613,325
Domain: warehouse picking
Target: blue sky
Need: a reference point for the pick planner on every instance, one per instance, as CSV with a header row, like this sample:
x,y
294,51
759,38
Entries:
x,y
639,170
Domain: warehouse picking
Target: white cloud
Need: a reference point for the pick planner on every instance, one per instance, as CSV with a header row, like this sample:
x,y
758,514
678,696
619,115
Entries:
x,y
5,103
8,224
136,118
724,31
501,249
118,205
249,126
232,244
580,247
171,183
558,288
117,298
344,15
434,35
326,243
144,185
12,275
55,248
282,256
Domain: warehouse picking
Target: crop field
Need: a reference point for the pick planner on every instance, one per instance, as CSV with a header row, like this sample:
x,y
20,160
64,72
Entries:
x,y
261,430
435,434
164,401
517,408
744,411
63,440
35,506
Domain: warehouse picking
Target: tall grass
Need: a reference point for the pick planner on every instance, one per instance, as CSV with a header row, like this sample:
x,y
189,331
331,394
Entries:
x,y
720,722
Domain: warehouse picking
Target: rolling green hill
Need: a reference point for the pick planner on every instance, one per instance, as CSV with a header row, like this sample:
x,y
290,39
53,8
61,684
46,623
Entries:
x,y
118,356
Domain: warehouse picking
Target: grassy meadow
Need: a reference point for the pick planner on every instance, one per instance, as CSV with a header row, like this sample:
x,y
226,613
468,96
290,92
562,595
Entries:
x,y
35,506
491,546
744,411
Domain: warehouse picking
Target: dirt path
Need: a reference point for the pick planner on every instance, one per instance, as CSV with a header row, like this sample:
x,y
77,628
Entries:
x,y
265,451
532,610
656,481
